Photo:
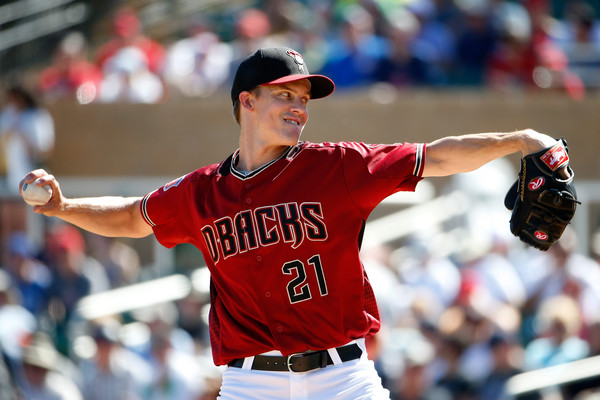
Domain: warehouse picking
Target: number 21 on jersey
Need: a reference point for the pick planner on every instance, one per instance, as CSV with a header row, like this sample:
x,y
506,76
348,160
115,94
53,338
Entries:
x,y
298,288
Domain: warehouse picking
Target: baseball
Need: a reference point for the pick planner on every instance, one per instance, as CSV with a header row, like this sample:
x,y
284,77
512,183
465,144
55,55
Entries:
x,y
36,195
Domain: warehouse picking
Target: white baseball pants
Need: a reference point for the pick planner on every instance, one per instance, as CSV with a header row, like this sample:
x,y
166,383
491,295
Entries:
x,y
352,380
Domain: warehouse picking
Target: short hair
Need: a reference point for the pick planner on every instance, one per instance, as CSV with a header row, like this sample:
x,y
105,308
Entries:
x,y
237,106
236,110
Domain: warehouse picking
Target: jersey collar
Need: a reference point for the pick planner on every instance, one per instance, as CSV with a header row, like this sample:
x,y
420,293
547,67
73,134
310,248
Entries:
x,y
249,174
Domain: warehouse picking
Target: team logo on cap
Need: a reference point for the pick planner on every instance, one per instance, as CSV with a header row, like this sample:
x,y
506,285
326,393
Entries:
x,y
297,59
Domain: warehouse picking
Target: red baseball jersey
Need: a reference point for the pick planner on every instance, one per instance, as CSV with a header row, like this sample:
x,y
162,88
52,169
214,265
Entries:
x,y
282,242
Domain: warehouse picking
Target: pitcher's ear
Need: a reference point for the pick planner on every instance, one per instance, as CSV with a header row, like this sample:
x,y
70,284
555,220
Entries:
x,y
246,100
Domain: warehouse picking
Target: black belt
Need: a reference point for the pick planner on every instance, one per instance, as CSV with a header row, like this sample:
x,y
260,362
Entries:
x,y
300,362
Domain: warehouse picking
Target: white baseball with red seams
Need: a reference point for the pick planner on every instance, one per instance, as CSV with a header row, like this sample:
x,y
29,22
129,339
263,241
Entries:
x,y
35,195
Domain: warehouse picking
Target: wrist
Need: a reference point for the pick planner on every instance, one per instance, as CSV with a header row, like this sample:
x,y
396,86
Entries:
x,y
533,141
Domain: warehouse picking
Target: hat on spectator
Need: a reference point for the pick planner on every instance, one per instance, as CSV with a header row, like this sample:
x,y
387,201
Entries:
x,y
39,351
66,237
274,66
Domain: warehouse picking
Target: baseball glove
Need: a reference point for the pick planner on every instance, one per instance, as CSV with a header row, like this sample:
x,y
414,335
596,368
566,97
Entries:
x,y
542,203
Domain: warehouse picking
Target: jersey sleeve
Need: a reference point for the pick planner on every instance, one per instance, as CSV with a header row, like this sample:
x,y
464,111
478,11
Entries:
x,y
374,172
161,209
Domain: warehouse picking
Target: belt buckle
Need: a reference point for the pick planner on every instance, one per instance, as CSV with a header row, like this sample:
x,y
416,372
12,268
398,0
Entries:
x,y
289,363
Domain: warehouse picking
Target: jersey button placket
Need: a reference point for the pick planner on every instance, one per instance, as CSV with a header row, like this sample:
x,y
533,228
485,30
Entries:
x,y
245,193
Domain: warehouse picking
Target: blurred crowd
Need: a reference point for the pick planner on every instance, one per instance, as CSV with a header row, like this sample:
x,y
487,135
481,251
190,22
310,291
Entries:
x,y
461,327
457,324
502,44
51,351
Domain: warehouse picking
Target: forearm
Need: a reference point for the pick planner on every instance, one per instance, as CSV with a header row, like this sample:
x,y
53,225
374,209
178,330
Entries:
x,y
456,154
106,216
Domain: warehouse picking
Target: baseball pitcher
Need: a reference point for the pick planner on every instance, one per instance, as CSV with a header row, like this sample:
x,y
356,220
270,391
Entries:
x,y
280,223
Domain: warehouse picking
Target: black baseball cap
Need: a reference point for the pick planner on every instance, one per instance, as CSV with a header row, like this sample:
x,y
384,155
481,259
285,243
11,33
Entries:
x,y
277,65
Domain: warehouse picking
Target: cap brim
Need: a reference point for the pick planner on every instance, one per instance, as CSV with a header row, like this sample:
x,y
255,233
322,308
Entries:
x,y
320,85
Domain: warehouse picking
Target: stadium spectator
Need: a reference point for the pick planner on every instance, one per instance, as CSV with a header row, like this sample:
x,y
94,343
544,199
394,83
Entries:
x,y
424,269
475,44
175,374
473,334
74,276
578,35
385,281
452,384
562,271
553,70
558,341
128,32
309,25
506,364
44,374
279,14
16,323
354,56
512,63
120,261
198,65
128,79
496,273
163,318
26,136
113,372
251,31
406,358
527,57
66,249
8,389
402,67
70,76
435,42
192,316
30,277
